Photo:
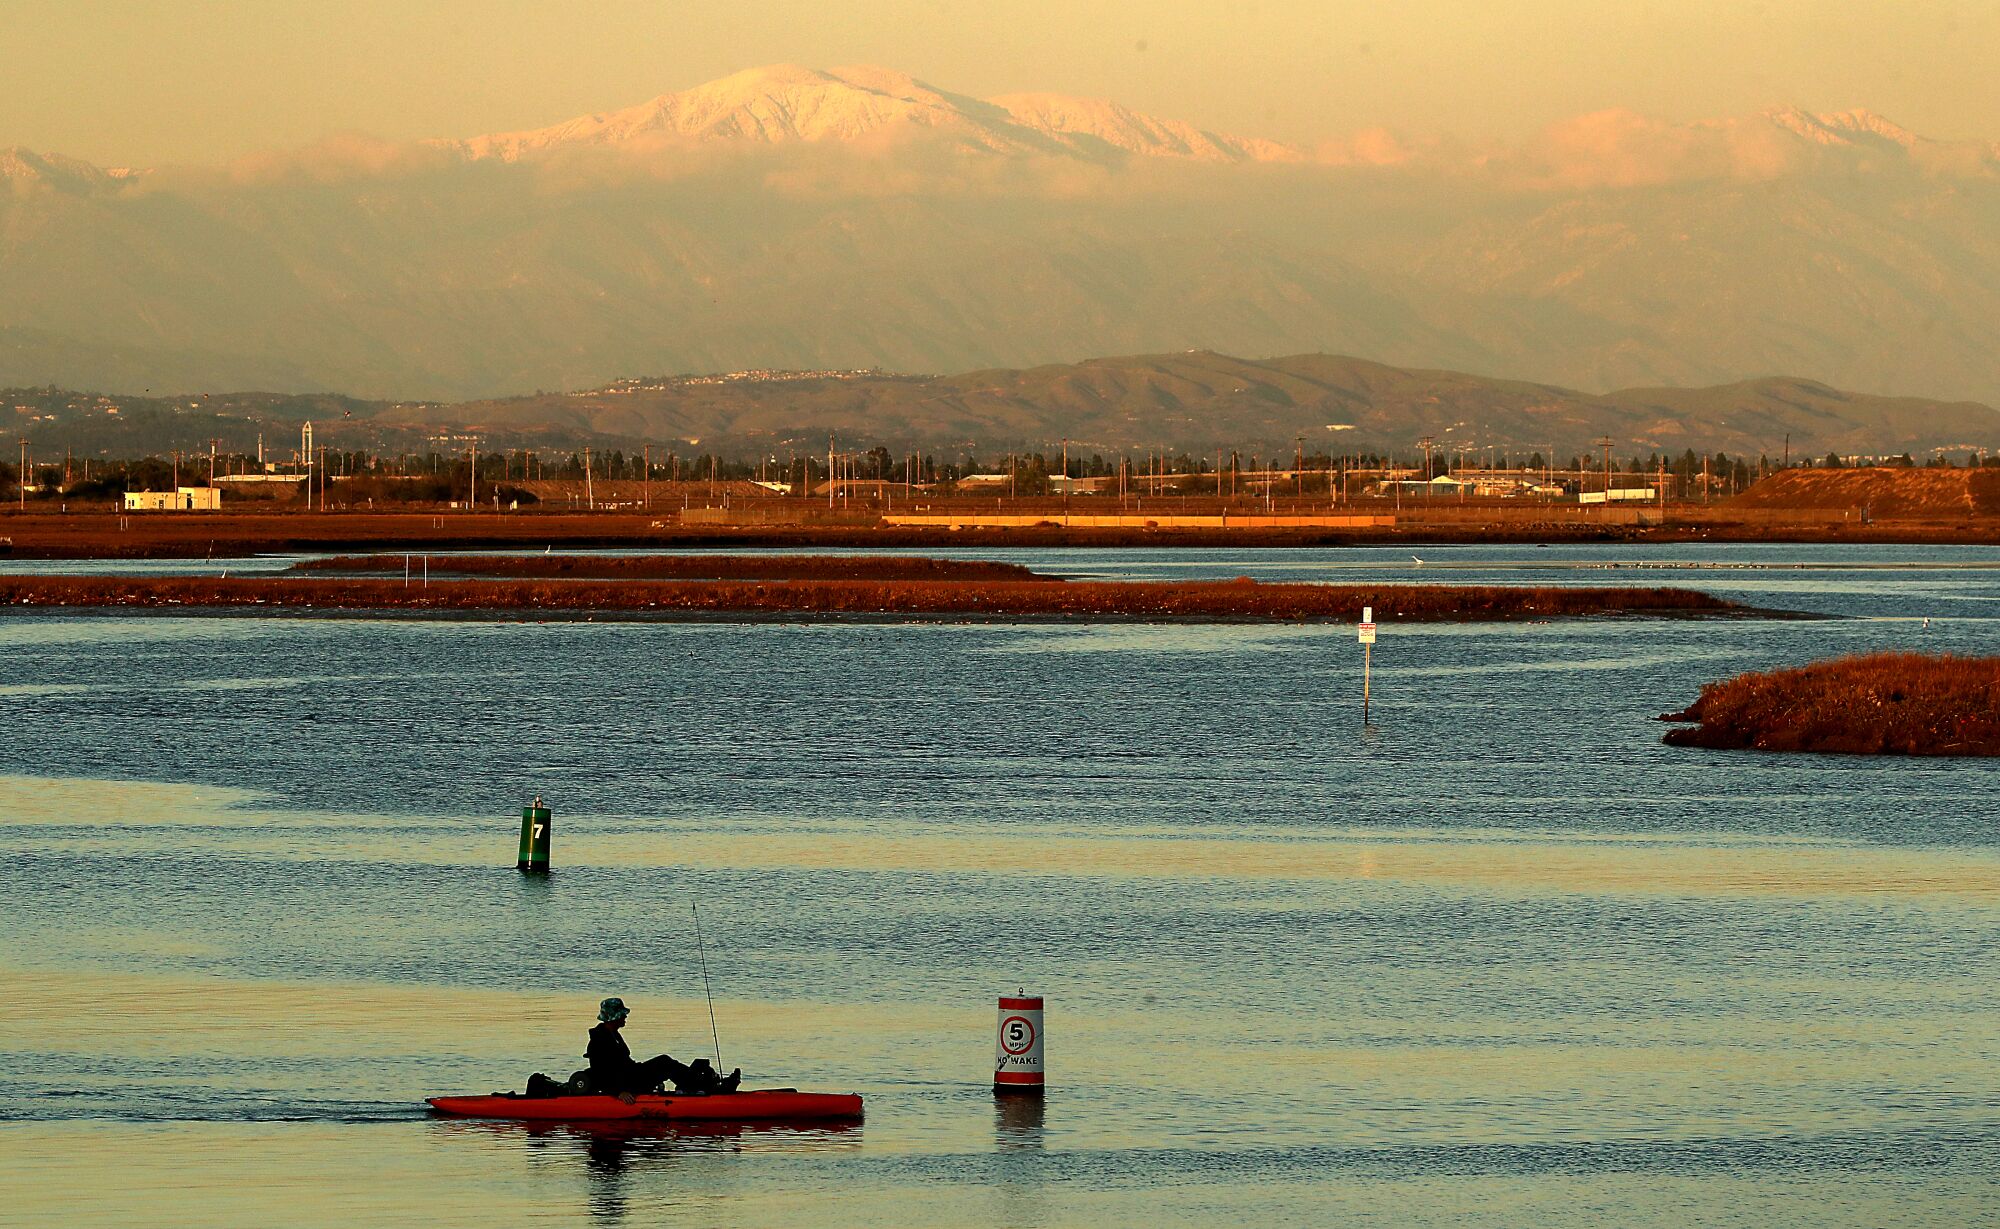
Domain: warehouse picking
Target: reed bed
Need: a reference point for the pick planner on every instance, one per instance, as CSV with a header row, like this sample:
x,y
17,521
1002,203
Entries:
x,y
1871,704
687,567
1077,600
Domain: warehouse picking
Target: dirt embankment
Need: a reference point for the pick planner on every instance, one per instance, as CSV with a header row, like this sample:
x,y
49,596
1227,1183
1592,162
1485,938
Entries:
x,y
1881,492
182,535
1875,704
96,535
685,567
1088,601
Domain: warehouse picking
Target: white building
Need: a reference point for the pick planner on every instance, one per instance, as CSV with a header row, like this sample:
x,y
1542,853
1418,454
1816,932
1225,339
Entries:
x,y
186,499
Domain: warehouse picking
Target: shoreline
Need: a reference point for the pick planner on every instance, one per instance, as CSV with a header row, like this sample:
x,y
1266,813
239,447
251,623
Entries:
x,y
848,600
1871,704
675,568
195,535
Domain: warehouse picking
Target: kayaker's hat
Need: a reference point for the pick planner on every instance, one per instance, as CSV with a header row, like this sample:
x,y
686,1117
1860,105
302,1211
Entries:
x,y
612,1009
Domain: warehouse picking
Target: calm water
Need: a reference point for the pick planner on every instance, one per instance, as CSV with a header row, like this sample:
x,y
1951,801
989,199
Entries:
x,y
1499,959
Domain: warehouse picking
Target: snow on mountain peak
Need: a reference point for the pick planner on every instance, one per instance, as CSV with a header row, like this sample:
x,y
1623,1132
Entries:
x,y
1840,127
25,166
1063,117
785,103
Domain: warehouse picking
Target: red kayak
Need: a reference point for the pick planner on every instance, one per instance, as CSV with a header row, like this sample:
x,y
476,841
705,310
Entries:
x,y
716,1107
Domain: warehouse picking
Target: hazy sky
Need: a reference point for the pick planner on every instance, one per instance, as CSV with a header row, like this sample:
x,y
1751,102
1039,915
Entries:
x,y
204,80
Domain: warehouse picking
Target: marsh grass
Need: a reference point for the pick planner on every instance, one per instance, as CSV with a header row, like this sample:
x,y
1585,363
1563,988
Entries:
x,y
1077,600
1871,704
687,567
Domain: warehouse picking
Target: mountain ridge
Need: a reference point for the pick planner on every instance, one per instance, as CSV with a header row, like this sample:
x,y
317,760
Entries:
x,y
855,218
790,103
1195,401
781,103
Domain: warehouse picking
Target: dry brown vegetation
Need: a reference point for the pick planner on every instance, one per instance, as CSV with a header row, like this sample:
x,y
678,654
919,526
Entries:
x,y
96,535
688,567
1874,704
1884,491
1081,601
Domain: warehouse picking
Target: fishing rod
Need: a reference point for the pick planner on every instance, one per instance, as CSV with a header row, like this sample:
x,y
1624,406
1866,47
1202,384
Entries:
x,y
701,951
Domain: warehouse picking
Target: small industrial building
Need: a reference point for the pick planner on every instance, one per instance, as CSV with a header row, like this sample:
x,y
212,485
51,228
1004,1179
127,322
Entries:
x,y
1421,488
185,499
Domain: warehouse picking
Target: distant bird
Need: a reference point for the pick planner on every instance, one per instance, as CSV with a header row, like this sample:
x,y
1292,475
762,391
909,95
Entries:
x,y
1419,562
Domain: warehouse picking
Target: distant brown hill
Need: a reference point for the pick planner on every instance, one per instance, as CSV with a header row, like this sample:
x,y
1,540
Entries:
x,y
1194,401
1203,401
1883,491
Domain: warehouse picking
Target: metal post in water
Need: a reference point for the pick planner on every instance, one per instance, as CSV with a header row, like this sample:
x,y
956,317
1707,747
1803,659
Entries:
x,y
1367,634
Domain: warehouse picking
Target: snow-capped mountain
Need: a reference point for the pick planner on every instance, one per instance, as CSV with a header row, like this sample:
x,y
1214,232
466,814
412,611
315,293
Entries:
x,y
1840,128
26,166
786,103
861,218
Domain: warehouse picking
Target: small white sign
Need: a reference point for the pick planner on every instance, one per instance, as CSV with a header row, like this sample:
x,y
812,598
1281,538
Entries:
x,y
1368,633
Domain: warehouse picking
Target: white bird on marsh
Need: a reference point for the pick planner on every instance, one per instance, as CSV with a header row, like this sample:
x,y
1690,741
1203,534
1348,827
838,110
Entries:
x,y
1417,561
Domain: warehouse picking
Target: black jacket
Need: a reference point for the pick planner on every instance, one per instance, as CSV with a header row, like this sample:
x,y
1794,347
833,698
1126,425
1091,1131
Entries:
x,y
610,1062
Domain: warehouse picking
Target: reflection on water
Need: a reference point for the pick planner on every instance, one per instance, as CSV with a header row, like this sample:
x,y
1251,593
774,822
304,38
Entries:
x,y
1497,958
613,1163
1018,1120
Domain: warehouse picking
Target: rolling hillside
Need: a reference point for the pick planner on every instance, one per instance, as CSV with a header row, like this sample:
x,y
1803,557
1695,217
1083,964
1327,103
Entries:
x,y
1195,401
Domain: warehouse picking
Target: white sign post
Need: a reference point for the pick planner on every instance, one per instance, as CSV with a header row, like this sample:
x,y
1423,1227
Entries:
x,y
1367,654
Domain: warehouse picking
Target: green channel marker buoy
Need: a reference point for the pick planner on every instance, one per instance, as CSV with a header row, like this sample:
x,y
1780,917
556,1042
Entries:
x,y
535,828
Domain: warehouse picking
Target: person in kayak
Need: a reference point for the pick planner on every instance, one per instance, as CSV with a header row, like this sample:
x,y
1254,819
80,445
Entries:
x,y
613,1071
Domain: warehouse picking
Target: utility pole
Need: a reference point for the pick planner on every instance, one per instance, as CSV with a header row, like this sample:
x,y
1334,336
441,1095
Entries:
x,y
1299,470
472,497
830,483
589,491
1605,442
1426,443
646,485
21,478
1065,478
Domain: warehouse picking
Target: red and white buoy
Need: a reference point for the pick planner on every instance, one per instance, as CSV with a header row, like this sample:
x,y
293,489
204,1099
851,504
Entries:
x,y
1017,1052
